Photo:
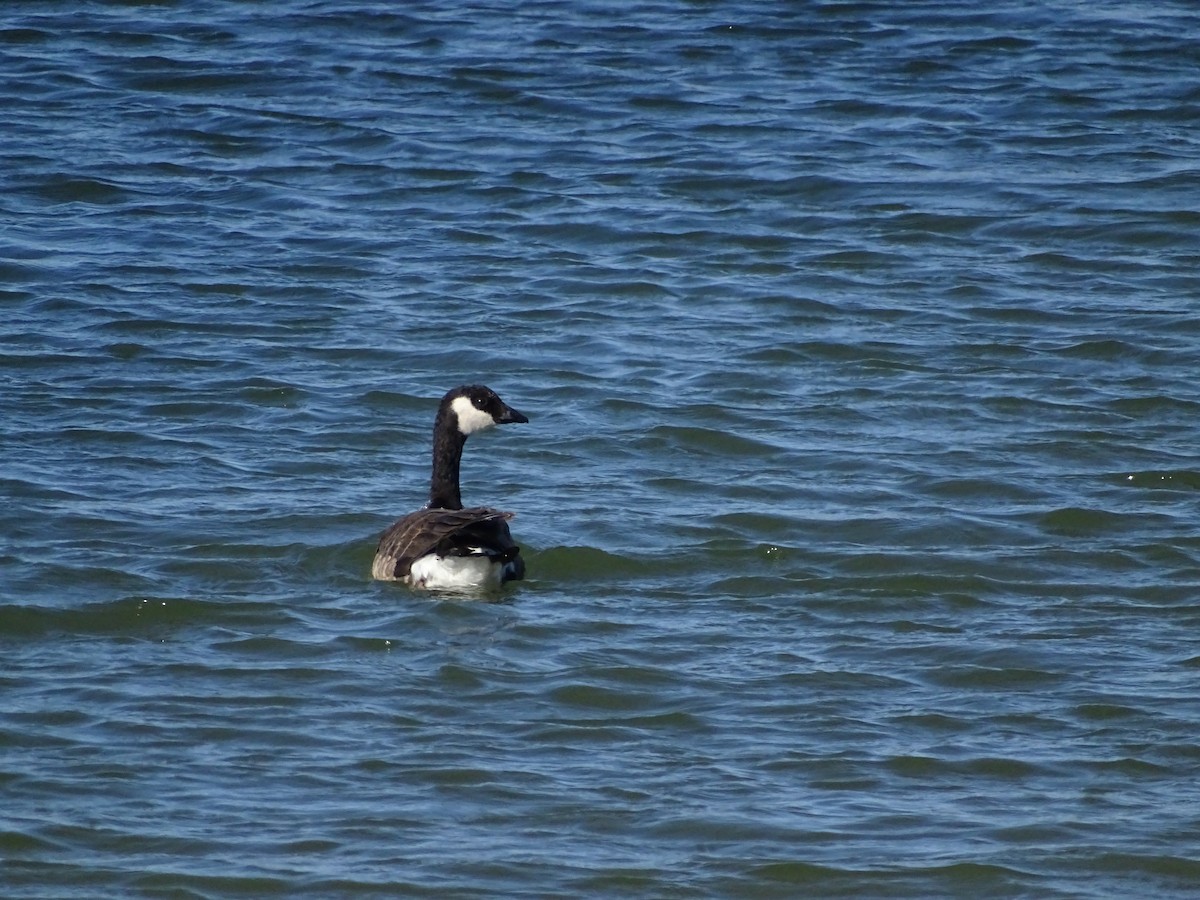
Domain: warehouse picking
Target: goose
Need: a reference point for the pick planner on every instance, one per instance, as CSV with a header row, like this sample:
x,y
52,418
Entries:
x,y
444,546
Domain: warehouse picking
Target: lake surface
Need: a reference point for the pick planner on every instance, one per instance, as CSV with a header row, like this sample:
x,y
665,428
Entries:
x,y
860,343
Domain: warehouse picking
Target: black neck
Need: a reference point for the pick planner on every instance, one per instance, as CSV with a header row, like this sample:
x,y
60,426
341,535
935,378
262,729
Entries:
x,y
448,444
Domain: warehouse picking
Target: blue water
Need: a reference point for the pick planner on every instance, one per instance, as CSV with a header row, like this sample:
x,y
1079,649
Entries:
x,y
859,497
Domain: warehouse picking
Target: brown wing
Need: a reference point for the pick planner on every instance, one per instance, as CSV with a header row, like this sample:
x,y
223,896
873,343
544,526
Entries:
x,y
427,530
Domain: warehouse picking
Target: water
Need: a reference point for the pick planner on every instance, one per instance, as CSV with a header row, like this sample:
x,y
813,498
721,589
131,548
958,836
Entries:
x,y
859,498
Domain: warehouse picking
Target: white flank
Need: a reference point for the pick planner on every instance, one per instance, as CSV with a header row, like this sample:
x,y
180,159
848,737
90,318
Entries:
x,y
470,419
455,573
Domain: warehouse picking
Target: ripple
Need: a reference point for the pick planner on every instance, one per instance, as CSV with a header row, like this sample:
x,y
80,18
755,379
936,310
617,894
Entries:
x,y
856,497
1074,521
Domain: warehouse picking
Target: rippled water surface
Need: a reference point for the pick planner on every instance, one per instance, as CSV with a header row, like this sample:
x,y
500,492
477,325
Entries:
x,y
859,498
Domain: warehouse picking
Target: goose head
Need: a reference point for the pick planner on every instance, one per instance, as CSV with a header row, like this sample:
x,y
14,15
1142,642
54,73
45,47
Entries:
x,y
474,407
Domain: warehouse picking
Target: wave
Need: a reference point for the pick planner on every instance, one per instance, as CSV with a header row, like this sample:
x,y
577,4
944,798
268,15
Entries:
x,y
133,616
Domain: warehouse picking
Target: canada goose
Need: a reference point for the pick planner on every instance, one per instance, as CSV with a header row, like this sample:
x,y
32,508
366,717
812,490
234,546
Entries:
x,y
443,546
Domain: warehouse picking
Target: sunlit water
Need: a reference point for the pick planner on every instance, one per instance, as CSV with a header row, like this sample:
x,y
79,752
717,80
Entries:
x,y
859,497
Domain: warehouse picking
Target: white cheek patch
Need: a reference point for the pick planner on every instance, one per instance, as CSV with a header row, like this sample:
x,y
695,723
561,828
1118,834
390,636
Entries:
x,y
469,418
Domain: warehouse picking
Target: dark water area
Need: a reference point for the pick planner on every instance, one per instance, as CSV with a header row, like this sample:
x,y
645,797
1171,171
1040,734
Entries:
x,y
859,496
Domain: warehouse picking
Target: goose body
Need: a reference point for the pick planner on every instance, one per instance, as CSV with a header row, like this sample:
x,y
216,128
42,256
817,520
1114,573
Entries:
x,y
444,546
